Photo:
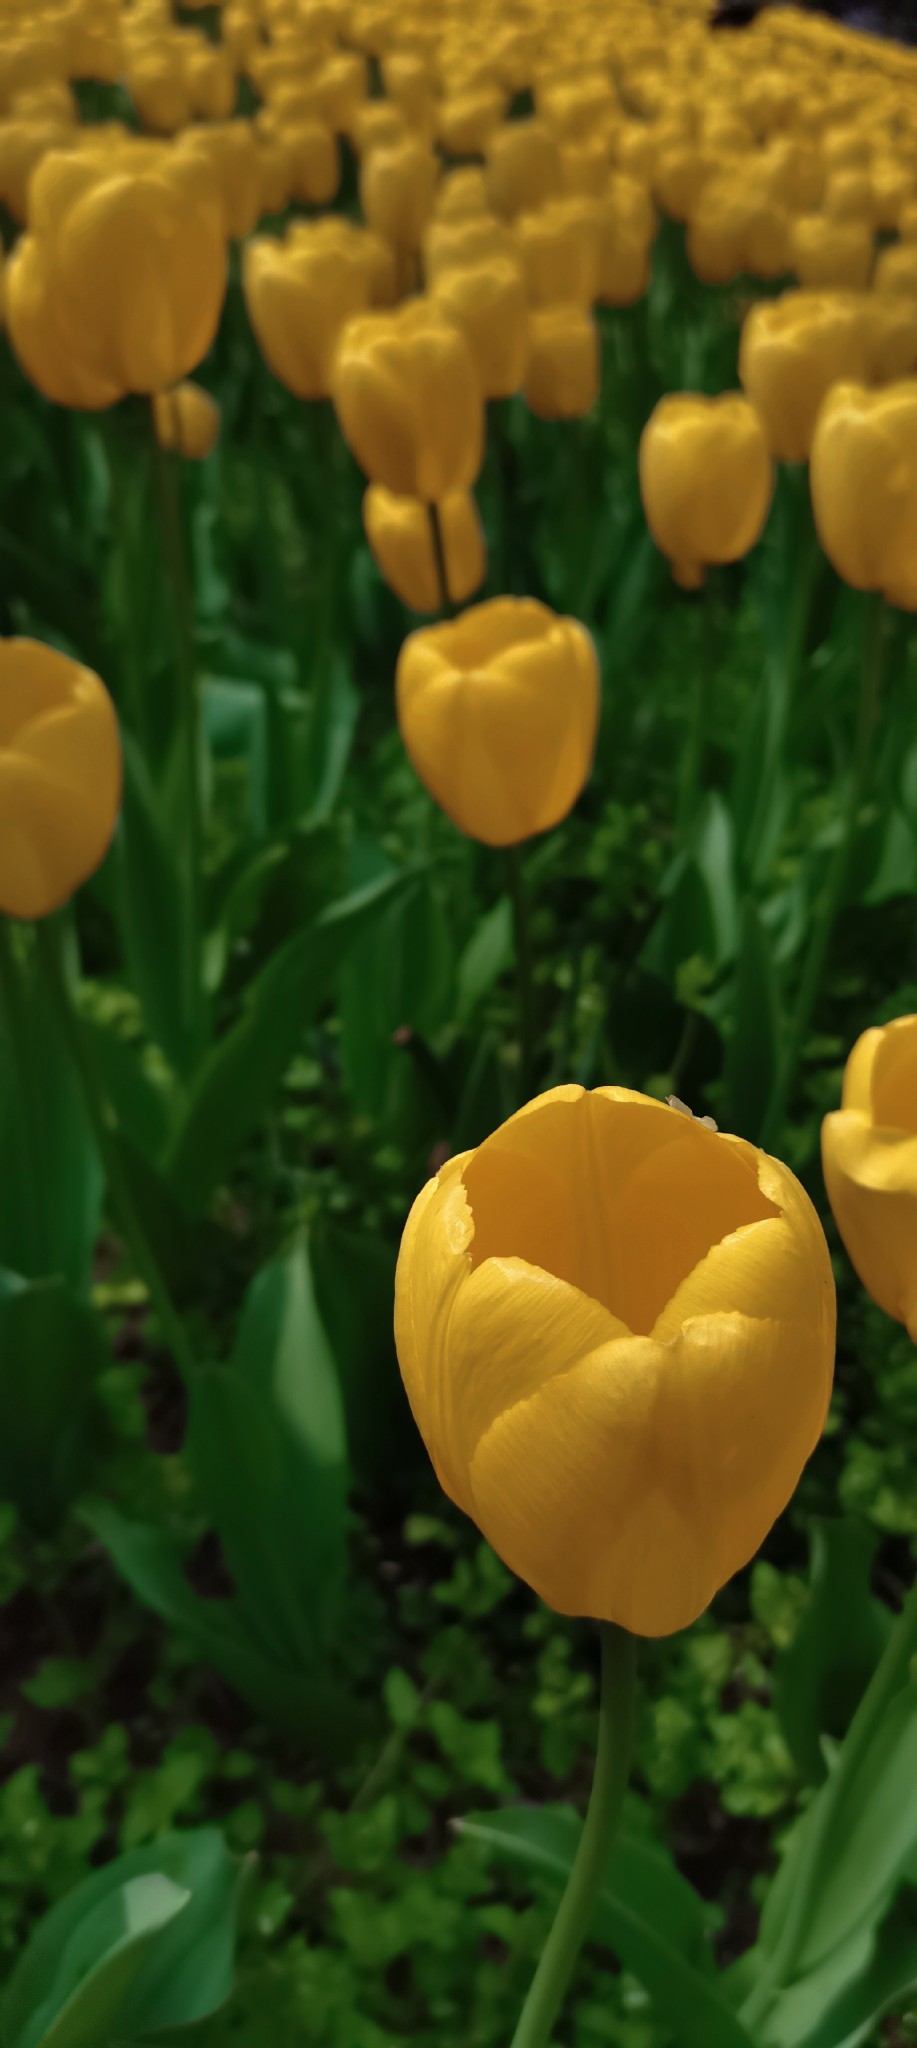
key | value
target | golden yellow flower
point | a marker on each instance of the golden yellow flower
(869, 1158)
(187, 421)
(400, 536)
(616, 1331)
(564, 366)
(60, 776)
(863, 477)
(791, 351)
(706, 480)
(408, 400)
(499, 712)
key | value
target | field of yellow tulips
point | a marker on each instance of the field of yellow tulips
(458, 1025)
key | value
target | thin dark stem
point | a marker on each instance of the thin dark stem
(525, 979)
(835, 881)
(170, 521)
(105, 1131)
(576, 1909)
(447, 607)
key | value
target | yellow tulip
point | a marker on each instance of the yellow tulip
(156, 83)
(863, 476)
(210, 82)
(869, 1159)
(559, 255)
(187, 421)
(791, 351)
(400, 536)
(300, 294)
(616, 1332)
(524, 168)
(849, 194)
(498, 711)
(734, 229)
(408, 401)
(397, 189)
(488, 302)
(118, 286)
(462, 194)
(452, 244)
(706, 480)
(889, 321)
(896, 270)
(467, 120)
(564, 366)
(60, 777)
(230, 151)
(824, 251)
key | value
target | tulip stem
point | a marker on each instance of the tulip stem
(107, 1136)
(525, 979)
(170, 525)
(439, 549)
(825, 1824)
(22, 1049)
(590, 1868)
(835, 881)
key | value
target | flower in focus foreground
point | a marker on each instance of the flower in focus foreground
(869, 1159)
(408, 400)
(863, 475)
(60, 776)
(616, 1331)
(706, 480)
(499, 712)
(187, 421)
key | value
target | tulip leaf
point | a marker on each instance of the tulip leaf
(486, 956)
(52, 1350)
(312, 1708)
(751, 1052)
(398, 976)
(818, 1681)
(240, 1075)
(840, 2004)
(144, 1943)
(153, 912)
(50, 1201)
(354, 1278)
(647, 1913)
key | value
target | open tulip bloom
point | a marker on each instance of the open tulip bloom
(616, 1330)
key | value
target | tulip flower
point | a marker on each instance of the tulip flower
(889, 321)
(824, 251)
(118, 286)
(863, 476)
(408, 401)
(869, 1159)
(488, 302)
(499, 711)
(616, 1331)
(401, 540)
(300, 294)
(896, 271)
(706, 480)
(524, 168)
(564, 366)
(791, 351)
(397, 189)
(559, 248)
(452, 244)
(187, 421)
(60, 777)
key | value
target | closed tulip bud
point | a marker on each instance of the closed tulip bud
(635, 150)
(849, 195)
(458, 244)
(680, 173)
(524, 168)
(560, 264)
(624, 259)
(276, 167)
(863, 476)
(488, 302)
(379, 125)
(23, 146)
(409, 84)
(869, 1159)
(791, 351)
(890, 328)
(467, 120)
(187, 421)
(499, 711)
(397, 190)
(210, 82)
(408, 401)
(706, 480)
(60, 777)
(733, 230)
(831, 252)
(300, 294)
(315, 161)
(896, 270)
(462, 195)
(230, 150)
(156, 83)
(616, 1332)
(344, 88)
(585, 166)
(564, 366)
(892, 190)
(401, 540)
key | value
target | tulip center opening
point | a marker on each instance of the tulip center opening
(620, 1199)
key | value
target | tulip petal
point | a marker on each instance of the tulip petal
(432, 1263)
(871, 1178)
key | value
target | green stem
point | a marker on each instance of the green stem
(447, 607)
(106, 1134)
(576, 1909)
(800, 561)
(814, 965)
(170, 525)
(525, 979)
(32, 1162)
(692, 762)
(828, 1819)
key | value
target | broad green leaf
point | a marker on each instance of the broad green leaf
(51, 1188)
(240, 1076)
(95, 1969)
(153, 912)
(647, 1913)
(52, 1349)
(176, 1978)
(354, 1277)
(752, 1045)
(819, 1680)
(487, 955)
(399, 976)
(841, 2004)
(301, 1704)
(236, 723)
